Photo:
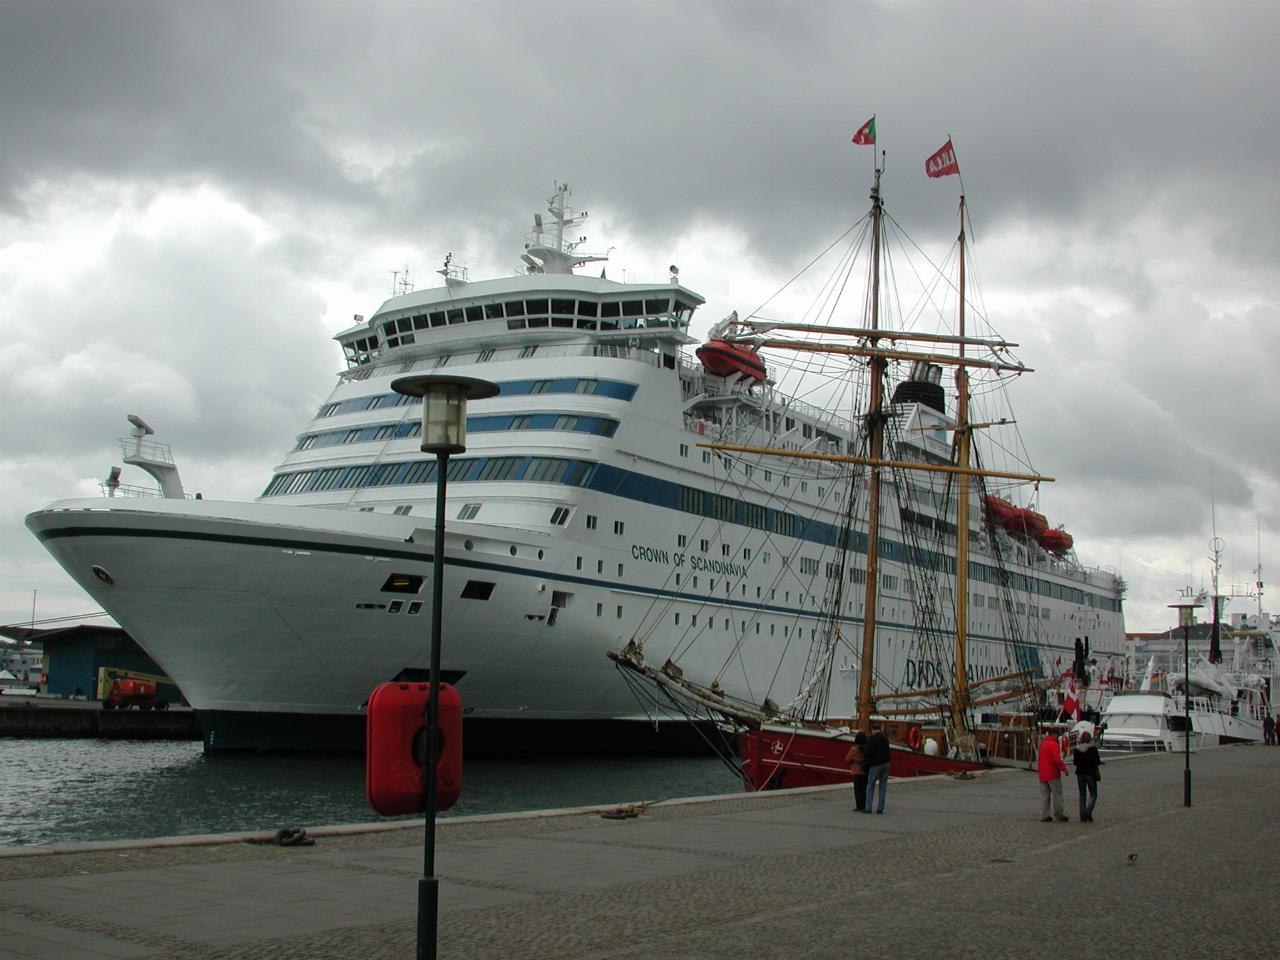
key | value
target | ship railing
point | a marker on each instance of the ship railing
(1198, 704)
(128, 490)
(146, 450)
(718, 388)
(134, 490)
(623, 351)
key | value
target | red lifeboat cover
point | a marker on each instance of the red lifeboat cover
(1056, 541)
(1025, 522)
(723, 359)
(999, 510)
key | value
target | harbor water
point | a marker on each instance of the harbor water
(70, 791)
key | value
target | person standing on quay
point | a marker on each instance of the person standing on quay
(1268, 730)
(1051, 770)
(876, 752)
(1087, 762)
(857, 762)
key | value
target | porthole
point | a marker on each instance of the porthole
(102, 575)
(539, 554)
(513, 549)
(468, 545)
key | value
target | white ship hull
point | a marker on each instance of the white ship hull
(278, 610)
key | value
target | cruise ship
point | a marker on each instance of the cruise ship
(591, 508)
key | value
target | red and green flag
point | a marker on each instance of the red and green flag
(866, 133)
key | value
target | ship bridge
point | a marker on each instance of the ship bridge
(548, 302)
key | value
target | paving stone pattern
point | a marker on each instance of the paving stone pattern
(952, 869)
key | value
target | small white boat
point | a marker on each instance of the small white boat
(1146, 722)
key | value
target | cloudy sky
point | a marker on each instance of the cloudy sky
(194, 197)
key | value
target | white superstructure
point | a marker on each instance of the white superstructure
(583, 515)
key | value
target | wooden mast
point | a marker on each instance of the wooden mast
(960, 702)
(875, 424)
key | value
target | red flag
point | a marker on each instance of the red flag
(943, 163)
(1070, 705)
(866, 133)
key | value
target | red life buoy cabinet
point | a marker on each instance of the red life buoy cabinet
(395, 742)
(915, 739)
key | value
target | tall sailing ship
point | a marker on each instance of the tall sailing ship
(589, 513)
(927, 549)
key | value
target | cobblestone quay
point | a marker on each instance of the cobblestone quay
(953, 869)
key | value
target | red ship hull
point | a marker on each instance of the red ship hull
(785, 758)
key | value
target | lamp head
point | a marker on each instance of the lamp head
(444, 407)
(1186, 607)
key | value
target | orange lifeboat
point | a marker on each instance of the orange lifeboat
(723, 359)
(1056, 541)
(1025, 522)
(999, 510)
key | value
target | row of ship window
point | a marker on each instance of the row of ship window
(534, 312)
(634, 486)
(614, 389)
(532, 469)
(993, 603)
(598, 426)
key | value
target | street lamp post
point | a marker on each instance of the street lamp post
(444, 432)
(1184, 617)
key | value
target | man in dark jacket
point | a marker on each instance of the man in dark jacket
(877, 754)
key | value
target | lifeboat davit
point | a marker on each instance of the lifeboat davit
(723, 359)
(1025, 522)
(999, 510)
(1056, 541)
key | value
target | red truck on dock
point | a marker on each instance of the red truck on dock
(126, 692)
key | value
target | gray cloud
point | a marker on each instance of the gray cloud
(1117, 159)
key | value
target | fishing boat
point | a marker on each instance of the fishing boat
(945, 583)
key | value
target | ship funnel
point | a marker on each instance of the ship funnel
(924, 386)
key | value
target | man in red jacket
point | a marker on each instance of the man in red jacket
(1051, 770)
